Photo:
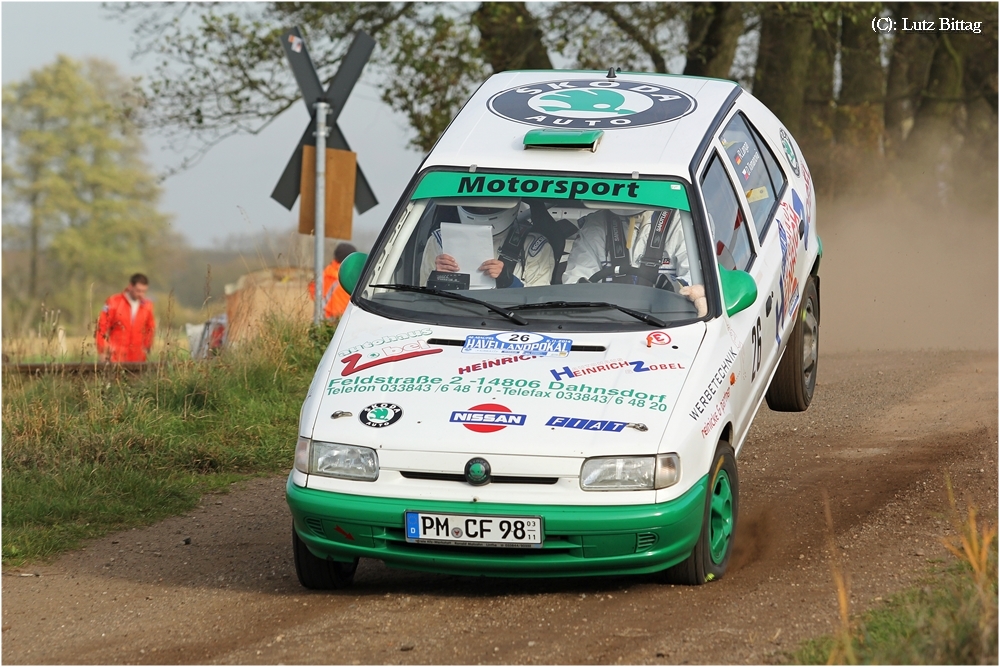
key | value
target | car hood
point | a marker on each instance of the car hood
(402, 386)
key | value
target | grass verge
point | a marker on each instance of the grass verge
(951, 618)
(83, 456)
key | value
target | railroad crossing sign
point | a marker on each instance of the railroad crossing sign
(287, 189)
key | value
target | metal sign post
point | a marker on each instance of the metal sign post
(319, 233)
(323, 121)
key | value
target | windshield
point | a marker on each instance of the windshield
(561, 252)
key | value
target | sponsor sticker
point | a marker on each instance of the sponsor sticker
(367, 346)
(517, 343)
(380, 415)
(487, 418)
(713, 419)
(383, 383)
(353, 362)
(490, 363)
(485, 388)
(440, 184)
(586, 424)
(800, 210)
(715, 382)
(658, 338)
(790, 154)
(629, 366)
(591, 103)
(788, 283)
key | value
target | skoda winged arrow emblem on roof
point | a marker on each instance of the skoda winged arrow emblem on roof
(596, 103)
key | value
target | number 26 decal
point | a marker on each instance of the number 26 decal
(755, 344)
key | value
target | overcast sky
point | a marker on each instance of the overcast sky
(241, 172)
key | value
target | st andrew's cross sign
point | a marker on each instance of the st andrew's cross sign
(287, 189)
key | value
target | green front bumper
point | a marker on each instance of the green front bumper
(578, 540)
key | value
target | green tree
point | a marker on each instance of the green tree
(79, 202)
(849, 95)
(220, 69)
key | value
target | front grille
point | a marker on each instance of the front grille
(495, 479)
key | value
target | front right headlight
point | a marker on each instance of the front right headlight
(332, 459)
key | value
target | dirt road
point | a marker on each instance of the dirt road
(879, 436)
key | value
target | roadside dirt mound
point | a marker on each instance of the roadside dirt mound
(880, 434)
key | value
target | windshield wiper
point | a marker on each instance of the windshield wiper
(513, 317)
(648, 319)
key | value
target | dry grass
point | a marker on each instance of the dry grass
(951, 618)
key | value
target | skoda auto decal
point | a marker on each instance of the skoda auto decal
(591, 103)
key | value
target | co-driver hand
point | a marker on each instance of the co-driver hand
(445, 263)
(492, 267)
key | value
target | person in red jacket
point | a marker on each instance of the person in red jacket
(126, 325)
(334, 296)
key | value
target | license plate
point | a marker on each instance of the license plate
(478, 531)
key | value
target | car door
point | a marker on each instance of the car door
(735, 250)
(762, 187)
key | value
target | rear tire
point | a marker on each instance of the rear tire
(710, 557)
(794, 382)
(319, 574)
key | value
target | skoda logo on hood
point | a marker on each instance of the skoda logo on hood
(591, 104)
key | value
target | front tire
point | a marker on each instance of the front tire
(794, 382)
(317, 573)
(710, 557)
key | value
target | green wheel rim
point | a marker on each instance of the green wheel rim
(720, 517)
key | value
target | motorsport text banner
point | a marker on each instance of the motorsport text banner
(659, 194)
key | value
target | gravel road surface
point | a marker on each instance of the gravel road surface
(218, 585)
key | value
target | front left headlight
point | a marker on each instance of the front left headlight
(332, 459)
(630, 473)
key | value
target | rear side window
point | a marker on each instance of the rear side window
(760, 177)
(732, 242)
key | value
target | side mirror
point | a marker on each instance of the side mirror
(738, 290)
(350, 270)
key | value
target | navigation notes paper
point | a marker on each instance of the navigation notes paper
(470, 245)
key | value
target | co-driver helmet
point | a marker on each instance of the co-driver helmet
(501, 214)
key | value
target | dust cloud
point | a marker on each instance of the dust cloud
(900, 274)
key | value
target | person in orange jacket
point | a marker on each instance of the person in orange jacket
(125, 327)
(334, 296)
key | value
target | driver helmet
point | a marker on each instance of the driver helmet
(500, 215)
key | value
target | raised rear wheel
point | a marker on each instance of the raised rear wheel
(794, 382)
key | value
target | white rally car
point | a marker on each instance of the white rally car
(556, 348)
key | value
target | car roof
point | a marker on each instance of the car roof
(480, 136)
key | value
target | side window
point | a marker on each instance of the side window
(732, 241)
(761, 178)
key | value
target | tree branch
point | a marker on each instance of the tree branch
(609, 10)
